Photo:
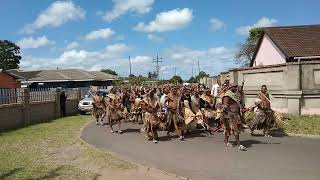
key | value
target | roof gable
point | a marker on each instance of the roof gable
(293, 41)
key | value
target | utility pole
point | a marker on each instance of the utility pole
(156, 60)
(198, 67)
(129, 67)
(175, 71)
(192, 70)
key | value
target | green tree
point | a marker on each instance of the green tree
(197, 78)
(109, 71)
(176, 79)
(119, 81)
(247, 49)
(9, 55)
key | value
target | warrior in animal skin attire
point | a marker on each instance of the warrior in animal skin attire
(114, 111)
(98, 108)
(231, 116)
(151, 107)
(263, 112)
(207, 106)
(173, 119)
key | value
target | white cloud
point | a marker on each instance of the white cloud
(110, 56)
(55, 15)
(167, 21)
(72, 45)
(154, 38)
(31, 43)
(140, 59)
(216, 24)
(263, 22)
(122, 7)
(212, 60)
(100, 34)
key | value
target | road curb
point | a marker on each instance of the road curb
(119, 156)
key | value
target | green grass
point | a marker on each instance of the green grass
(53, 150)
(302, 125)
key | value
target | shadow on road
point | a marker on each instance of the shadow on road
(10, 173)
(131, 130)
(248, 143)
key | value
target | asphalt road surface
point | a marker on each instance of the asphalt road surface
(204, 157)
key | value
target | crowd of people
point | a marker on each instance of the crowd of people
(180, 109)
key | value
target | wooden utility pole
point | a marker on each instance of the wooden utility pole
(192, 70)
(129, 67)
(156, 60)
(198, 67)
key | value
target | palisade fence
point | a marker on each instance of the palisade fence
(17, 95)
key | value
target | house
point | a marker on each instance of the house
(8, 80)
(65, 78)
(279, 45)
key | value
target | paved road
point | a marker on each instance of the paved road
(203, 157)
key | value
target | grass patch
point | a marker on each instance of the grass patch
(302, 125)
(53, 150)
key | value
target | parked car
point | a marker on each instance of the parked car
(85, 105)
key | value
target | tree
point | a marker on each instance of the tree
(152, 75)
(109, 71)
(247, 49)
(119, 81)
(197, 78)
(9, 55)
(176, 79)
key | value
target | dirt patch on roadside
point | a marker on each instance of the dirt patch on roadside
(136, 174)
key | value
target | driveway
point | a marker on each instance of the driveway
(203, 157)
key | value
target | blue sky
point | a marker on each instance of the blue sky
(102, 34)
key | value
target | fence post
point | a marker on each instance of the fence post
(57, 103)
(26, 106)
(79, 95)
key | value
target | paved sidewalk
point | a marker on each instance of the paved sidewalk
(203, 157)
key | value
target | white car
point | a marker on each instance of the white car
(85, 105)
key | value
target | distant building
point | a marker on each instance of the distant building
(65, 78)
(8, 80)
(279, 45)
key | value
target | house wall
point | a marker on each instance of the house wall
(268, 53)
(293, 87)
(7, 81)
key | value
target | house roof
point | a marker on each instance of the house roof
(61, 75)
(12, 75)
(294, 41)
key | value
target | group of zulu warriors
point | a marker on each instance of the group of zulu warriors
(181, 109)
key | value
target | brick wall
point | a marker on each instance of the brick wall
(7, 81)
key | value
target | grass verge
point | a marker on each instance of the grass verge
(53, 150)
(302, 125)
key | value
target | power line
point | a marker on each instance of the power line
(156, 60)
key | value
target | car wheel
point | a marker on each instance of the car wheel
(82, 112)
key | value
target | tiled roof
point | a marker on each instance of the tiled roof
(64, 75)
(296, 41)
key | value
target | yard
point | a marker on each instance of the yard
(53, 150)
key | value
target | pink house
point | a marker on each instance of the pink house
(279, 45)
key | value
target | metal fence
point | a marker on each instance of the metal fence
(42, 94)
(10, 96)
